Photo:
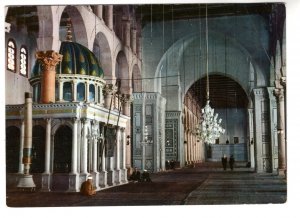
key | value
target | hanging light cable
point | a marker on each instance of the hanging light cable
(209, 128)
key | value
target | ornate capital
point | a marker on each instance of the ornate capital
(109, 89)
(48, 59)
(279, 94)
(126, 98)
(283, 81)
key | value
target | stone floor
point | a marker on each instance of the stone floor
(202, 185)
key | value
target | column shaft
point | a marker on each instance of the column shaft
(99, 11)
(21, 166)
(74, 146)
(109, 16)
(84, 153)
(48, 146)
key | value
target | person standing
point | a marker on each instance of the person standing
(224, 162)
(231, 162)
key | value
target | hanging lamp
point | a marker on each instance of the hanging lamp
(209, 128)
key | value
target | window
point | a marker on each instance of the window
(67, 91)
(91, 93)
(80, 92)
(11, 55)
(23, 61)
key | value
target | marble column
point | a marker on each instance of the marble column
(95, 172)
(60, 93)
(127, 32)
(123, 153)
(74, 97)
(108, 92)
(26, 180)
(21, 166)
(49, 60)
(46, 175)
(138, 48)
(103, 172)
(99, 11)
(133, 40)
(109, 16)
(84, 153)
(126, 99)
(251, 138)
(117, 157)
(279, 93)
(74, 176)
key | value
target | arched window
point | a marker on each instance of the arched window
(67, 91)
(11, 55)
(23, 61)
(80, 92)
(91, 93)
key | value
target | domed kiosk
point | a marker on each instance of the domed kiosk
(81, 132)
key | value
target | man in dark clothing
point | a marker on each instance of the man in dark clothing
(136, 175)
(146, 176)
(224, 162)
(231, 162)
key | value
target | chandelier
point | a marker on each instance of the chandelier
(209, 128)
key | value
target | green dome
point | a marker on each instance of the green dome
(77, 59)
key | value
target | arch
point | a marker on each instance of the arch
(175, 68)
(136, 79)
(12, 149)
(78, 25)
(122, 73)
(102, 52)
(38, 149)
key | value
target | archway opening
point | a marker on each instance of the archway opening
(38, 150)
(62, 150)
(230, 101)
(62, 158)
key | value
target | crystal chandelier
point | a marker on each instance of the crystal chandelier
(209, 128)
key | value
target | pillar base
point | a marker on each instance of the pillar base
(96, 180)
(282, 173)
(103, 179)
(26, 183)
(124, 176)
(73, 182)
(111, 177)
(46, 182)
(117, 177)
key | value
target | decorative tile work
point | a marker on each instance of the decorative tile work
(171, 130)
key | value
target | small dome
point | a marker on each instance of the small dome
(77, 59)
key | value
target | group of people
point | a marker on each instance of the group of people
(224, 162)
(138, 177)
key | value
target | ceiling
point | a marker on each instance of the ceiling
(223, 92)
(27, 14)
(158, 12)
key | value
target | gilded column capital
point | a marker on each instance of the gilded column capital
(126, 98)
(109, 89)
(279, 94)
(49, 59)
